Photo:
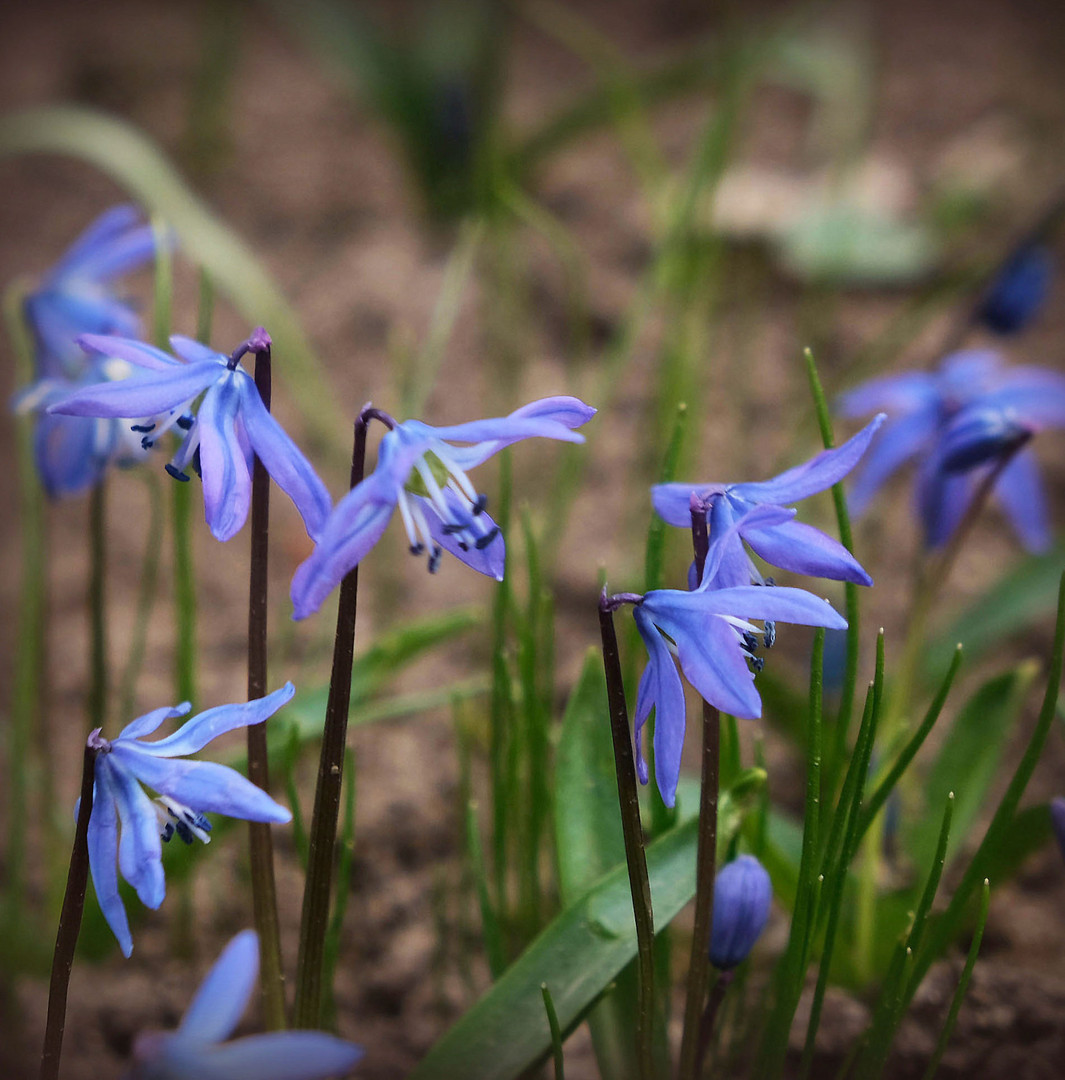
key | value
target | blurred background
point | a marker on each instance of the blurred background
(469, 205)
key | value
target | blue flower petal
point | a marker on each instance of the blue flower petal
(193, 352)
(660, 689)
(126, 253)
(901, 439)
(109, 226)
(1019, 491)
(353, 528)
(283, 460)
(817, 474)
(203, 786)
(489, 560)
(806, 550)
(149, 722)
(672, 502)
(139, 353)
(223, 996)
(139, 396)
(140, 848)
(196, 733)
(280, 1055)
(103, 861)
(226, 479)
(891, 394)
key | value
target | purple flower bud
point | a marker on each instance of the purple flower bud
(980, 434)
(1018, 292)
(742, 895)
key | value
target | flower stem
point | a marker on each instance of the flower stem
(632, 830)
(706, 855)
(97, 698)
(706, 1025)
(264, 887)
(322, 841)
(69, 925)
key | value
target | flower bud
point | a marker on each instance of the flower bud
(742, 895)
(1018, 292)
(980, 434)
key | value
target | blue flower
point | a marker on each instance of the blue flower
(196, 1051)
(788, 544)
(231, 425)
(425, 476)
(127, 826)
(1018, 291)
(957, 423)
(77, 296)
(710, 632)
(743, 894)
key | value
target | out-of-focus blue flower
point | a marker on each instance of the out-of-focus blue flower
(127, 826)
(196, 1050)
(742, 897)
(421, 472)
(957, 423)
(77, 296)
(788, 544)
(231, 425)
(710, 631)
(1057, 821)
(1019, 291)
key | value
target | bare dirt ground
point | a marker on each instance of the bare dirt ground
(312, 181)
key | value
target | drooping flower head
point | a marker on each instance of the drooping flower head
(127, 826)
(787, 543)
(709, 629)
(195, 1051)
(78, 296)
(230, 427)
(957, 423)
(743, 895)
(421, 471)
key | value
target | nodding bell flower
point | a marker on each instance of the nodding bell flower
(77, 296)
(957, 424)
(743, 894)
(787, 544)
(220, 439)
(195, 1051)
(422, 473)
(709, 631)
(128, 827)
(1019, 291)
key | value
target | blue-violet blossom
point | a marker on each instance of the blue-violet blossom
(743, 894)
(787, 544)
(77, 296)
(196, 1051)
(186, 791)
(710, 631)
(231, 426)
(421, 472)
(958, 423)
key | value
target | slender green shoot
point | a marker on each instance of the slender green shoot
(556, 1033)
(963, 983)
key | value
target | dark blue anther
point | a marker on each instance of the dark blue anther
(176, 473)
(142, 427)
(757, 662)
(434, 559)
(480, 504)
(770, 635)
(450, 530)
(417, 549)
(483, 541)
(185, 422)
(196, 463)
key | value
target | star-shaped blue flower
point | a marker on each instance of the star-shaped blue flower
(127, 826)
(787, 544)
(709, 630)
(231, 425)
(77, 296)
(196, 1051)
(421, 472)
(955, 422)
